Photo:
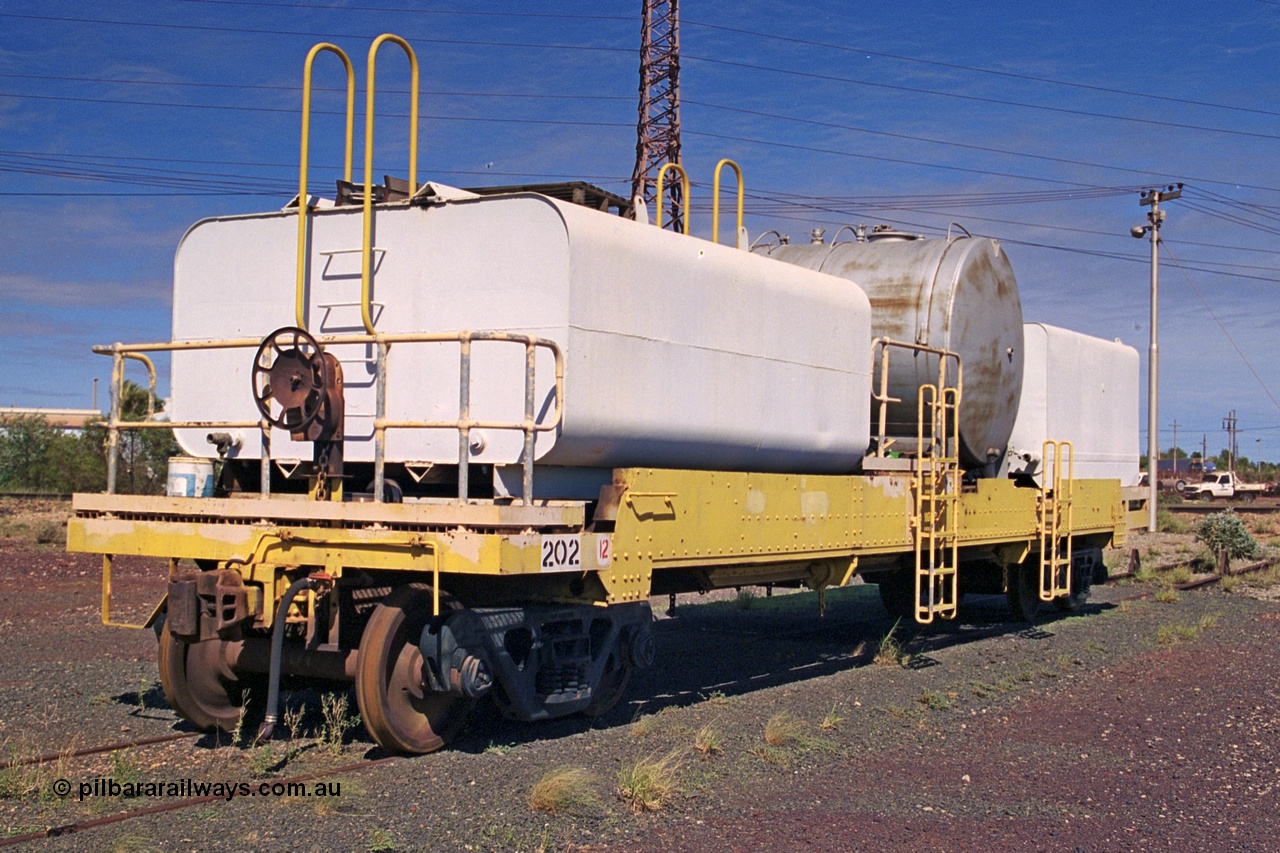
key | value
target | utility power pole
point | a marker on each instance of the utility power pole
(1155, 216)
(1229, 424)
(1175, 426)
(658, 131)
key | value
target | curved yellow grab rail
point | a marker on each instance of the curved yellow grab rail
(715, 200)
(304, 210)
(684, 186)
(366, 251)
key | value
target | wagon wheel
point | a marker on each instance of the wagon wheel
(289, 369)
(399, 711)
(1024, 591)
(192, 675)
(897, 589)
(611, 687)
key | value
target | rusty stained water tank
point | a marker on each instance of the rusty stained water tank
(957, 294)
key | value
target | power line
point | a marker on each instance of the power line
(556, 96)
(706, 59)
(756, 34)
(290, 111)
(1230, 339)
(283, 88)
(978, 98)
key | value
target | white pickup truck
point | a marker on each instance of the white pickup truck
(1220, 485)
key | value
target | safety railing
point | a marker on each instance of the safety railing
(880, 349)
(1055, 511)
(530, 425)
(304, 209)
(739, 234)
(684, 192)
(366, 250)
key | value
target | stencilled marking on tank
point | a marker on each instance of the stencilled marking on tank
(813, 504)
(755, 501)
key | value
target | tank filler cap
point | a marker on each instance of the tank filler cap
(888, 233)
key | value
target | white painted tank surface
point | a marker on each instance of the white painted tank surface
(679, 352)
(1080, 389)
(956, 294)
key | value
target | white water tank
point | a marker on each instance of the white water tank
(679, 352)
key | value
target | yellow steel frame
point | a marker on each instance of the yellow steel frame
(730, 528)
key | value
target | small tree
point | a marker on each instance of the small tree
(25, 441)
(1227, 538)
(144, 454)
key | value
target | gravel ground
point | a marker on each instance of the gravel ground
(1131, 725)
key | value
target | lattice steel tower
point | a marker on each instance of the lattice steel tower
(658, 132)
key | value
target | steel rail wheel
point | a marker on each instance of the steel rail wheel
(613, 684)
(193, 676)
(397, 709)
(1024, 591)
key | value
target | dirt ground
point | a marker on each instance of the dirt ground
(1134, 724)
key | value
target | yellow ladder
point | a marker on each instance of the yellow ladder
(1054, 518)
(937, 493)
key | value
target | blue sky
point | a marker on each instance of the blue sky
(121, 124)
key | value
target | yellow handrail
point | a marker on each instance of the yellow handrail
(366, 253)
(715, 200)
(300, 297)
(684, 186)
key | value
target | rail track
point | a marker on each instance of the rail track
(35, 496)
(50, 757)
(176, 805)
(1262, 506)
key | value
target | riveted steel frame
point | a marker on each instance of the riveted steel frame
(723, 528)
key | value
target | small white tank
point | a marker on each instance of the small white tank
(679, 352)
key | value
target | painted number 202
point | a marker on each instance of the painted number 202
(561, 553)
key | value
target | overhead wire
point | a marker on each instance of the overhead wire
(688, 22)
(1223, 328)
(685, 57)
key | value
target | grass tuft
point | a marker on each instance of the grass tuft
(832, 720)
(746, 598)
(890, 652)
(648, 784)
(783, 728)
(1167, 595)
(934, 700)
(563, 790)
(708, 741)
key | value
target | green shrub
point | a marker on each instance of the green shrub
(1227, 538)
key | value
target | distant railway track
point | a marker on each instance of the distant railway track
(34, 496)
(1262, 506)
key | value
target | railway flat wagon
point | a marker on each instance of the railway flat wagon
(460, 438)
